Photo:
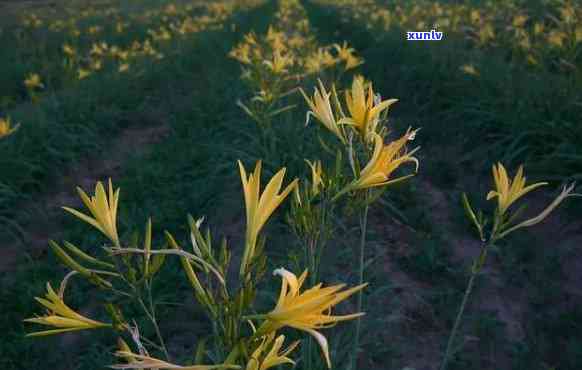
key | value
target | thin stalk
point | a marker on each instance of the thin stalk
(151, 314)
(315, 248)
(474, 272)
(363, 228)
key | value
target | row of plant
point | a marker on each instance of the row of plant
(546, 35)
(53, 53)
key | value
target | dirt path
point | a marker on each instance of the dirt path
(148, 128)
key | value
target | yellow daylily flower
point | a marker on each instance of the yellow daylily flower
(308, 310)
(260, 207)
(241, 53)
(508, 191)
(364, 107)
(68, 50)
(147, 362)
(469, 69)
(346, 54)
(316, 176)
(272, 358)
(320, 106)
(102, 208)
(556, 38)
(33, 81)
(96, 64)
(352, 61)
(6, 127)
(519, 20)
(83, 73)
(61, 316)
(280, 62)
(96, 50)
(385, 160)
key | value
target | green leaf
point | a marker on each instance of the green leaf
(200, 351)
(84, 256)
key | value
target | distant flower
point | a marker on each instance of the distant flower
(83, 73)
(316, 176)
(347, 55)
(68, 50)
(267, 354)
(33, 81)
(6, 127)
(469, 69)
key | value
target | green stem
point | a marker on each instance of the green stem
(151, 314)
(363, 227)
(474, 272)
(315, 246)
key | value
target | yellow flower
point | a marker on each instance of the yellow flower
(96, 50)
(279, 63)
(469, 69)
(272, 358)
(260, 207)
(519, 20)
(316, 176)
(241, 53)
(321, 109)
(352, 62)
(124, 67)
(346, 54)
(93, 30)
(33, 81)
(532, 60)
(103, 210)
(96, 64)
(147, 362)
(318, 60)
(309, 310)
(385, 160)
(61, 316)
(364, 107)
(68, 49)
(568, 14)
(486, 33)
(508, 191)
(556, 38)
(83, 73)
(6, 127)
(475, 16)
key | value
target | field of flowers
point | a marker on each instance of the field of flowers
(278, 184)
